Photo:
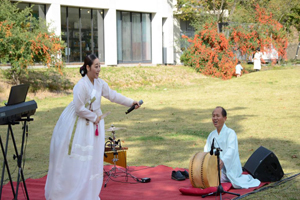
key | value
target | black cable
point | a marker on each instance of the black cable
(23, 160)
(218, 144)
(11, 173)
(282, 181)
(110, 178)
(138, 179)
(24, 152)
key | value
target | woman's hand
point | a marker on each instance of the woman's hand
(221, 164)
(137, 105)
(97, 120)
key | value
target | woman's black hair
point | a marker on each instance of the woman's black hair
(89, 59)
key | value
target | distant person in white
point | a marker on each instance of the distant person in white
(257, 59)
(238, 69)
(226, 139)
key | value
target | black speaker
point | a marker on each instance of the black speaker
(264, 165)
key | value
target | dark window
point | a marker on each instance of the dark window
(38, 10)
(82, 30)
(186, 28)
(134, 37)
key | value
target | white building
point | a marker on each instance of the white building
(117, 31)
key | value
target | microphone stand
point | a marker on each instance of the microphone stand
(220, 189)
(113, 172)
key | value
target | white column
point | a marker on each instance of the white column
(53, 17)
(156, 39)
(177, 38)
(110, 34)
(169, 44)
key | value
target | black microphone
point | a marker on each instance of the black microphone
(133, 106)
(212, 147)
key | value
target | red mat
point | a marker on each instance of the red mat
(160, 187)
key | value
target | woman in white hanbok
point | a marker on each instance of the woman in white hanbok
(257, 59)
(78, 140)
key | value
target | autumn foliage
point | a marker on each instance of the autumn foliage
(211, 52)
(265, 33)
(25, 40)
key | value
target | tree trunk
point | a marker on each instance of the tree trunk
(232, 9)
(219, 12)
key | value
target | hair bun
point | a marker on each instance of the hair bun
(82, 70)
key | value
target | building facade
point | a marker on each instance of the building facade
(117, 31)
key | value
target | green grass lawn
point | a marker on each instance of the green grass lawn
(175, 119)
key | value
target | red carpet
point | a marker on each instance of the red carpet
(160, 187)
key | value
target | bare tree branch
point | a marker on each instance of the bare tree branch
(233, 8)
(219, 12)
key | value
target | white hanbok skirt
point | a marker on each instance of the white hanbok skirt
(257, 64)
(80, 174)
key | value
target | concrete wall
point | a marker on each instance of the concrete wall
(177, 37)
(291, 51)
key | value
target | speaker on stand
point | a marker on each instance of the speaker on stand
(264, 165)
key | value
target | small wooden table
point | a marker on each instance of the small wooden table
(121, 155)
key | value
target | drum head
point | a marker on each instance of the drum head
(203, 170)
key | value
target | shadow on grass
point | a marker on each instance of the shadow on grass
(169, 136)
(166, 136)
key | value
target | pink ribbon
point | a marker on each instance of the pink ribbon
(96, 132)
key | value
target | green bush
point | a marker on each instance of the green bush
(43, 80)
(24, 40)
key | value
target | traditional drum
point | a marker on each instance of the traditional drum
(203, 170)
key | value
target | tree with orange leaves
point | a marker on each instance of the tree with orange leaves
(24, 42)
(265, 33)
(211, 53)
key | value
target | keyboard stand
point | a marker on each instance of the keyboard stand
(17, 155)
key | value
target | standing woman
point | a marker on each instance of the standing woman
(257, 59)
(77, 144)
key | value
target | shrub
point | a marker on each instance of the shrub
(211, 53)
(25, 41)
(46, 80)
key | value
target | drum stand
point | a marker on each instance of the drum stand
(113, 171)
(220, 189)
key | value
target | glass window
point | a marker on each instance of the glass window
(126, 36)
(146, 29)
(74, 34)
(64, 33)
(22, 6)
(186, 28)
(86, 32)
(119, 36)
(83, 31)
(133, 37)
(137, 39)
(98, 34)
(39, 11)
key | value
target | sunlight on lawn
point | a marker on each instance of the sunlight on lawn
(175, 119)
